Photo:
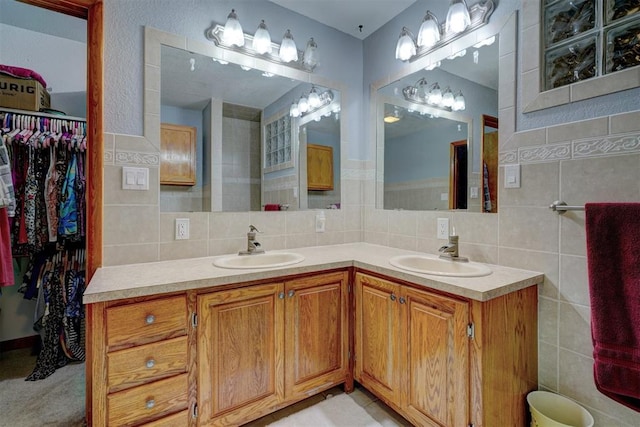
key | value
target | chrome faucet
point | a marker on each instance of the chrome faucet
(253, 246)
(450, 250)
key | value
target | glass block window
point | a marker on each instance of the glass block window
(278, 144)
(588, 38)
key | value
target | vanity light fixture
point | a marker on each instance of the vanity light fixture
(393, 117)
(313, 102)
(433, 35)
(423, 93)
(231, 37)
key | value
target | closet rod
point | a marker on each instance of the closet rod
(561, 207)
(39, 114)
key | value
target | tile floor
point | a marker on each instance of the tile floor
(334, 408)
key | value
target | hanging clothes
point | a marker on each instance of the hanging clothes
(6, 260)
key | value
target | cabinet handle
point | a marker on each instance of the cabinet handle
(150, 404)
(150, 319)
(150, 363)
(402, 300)
(392, 297)
(281, 295)
(291, 293)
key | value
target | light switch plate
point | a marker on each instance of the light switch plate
(512, 176)
(135, 178)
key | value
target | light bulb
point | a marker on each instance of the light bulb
(447, 98)
(288, 50)
(459, 103)
(294, 111)
(435, 95)
(458, 18)
(406, 47)
(314, 98)
(303, 104)
(262, 39)
(429, 33)
(310, 58)
(233, 34)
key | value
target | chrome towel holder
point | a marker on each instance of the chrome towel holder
(561, 207)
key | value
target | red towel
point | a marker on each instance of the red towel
(22, 73)
(613, 255)
(272, 207)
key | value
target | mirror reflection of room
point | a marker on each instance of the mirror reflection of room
(433, 156)
(231, 139)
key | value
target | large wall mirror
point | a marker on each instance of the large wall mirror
(437, 154)
(226, 124)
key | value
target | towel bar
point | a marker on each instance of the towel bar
(561, 207)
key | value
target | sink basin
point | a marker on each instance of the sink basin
(438, 266)
(263, 260)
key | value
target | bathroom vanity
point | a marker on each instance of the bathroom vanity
(187, 343)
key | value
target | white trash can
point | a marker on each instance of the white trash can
(552, 410)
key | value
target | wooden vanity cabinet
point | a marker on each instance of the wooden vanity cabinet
(446, 361)
(263, 347)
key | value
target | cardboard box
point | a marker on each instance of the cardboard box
(23, 94)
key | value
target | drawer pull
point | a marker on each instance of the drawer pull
(150, 404)
(402, 300)
(150, 319)
(291, 293)
(150, 363)
(392, 297)
(281, 295)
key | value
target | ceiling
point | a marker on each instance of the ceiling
(348, 15)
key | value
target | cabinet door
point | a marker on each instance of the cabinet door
(319, 167)
(436, 359)
(316, 336)
(240, 353)
(177, 154)
(377, 337)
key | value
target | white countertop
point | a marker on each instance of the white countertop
(135, 280)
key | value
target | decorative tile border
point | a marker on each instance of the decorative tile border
(544, 153)
(108, 157)
(601, 146)
(358, 174)
(136, 158)
(607, 146)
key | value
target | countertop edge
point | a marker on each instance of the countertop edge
(157, 278)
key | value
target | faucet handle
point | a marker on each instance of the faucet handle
(253, 229)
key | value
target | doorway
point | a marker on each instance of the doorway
(458, 175)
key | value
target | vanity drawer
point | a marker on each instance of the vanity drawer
(179, 419)
(146, 322)
(148, 402)
(139, 365)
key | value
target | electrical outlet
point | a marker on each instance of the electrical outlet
(443, 228)
(182, 228)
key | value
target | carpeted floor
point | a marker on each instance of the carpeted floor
(56, 401)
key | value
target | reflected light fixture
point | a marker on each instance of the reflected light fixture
(423, 93)
(313, 102)
(432, 34)
(262, 39)
(231, 37)
(392, 118)
(458, 17)
(288, 50)
(233, 34)
(429, 33)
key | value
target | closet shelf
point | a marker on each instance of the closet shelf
(39, 114)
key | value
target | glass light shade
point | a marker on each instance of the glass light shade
(288, 50)
(429, 33)
(447, 98)
(459, 103)
(314, 99)
(262, 39)
(435, 95)
(458, 18)
(303, 104)
(233, 34)
(422, 89)
(406, 47)
(310, 58)
(294, 111)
